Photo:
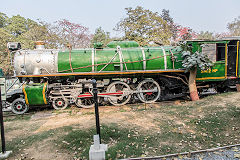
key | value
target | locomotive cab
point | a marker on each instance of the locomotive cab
(224, 53)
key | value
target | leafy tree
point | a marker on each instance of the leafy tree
(192, 59)
(4, 54)
(211, 36)
(17, 25)
(172, 26)
(101, 36)
(3, 20)
(234, 27)
(144, 26)
(40, 32)
(166, 16)
(206, 35)
(222, 35)
(4, 38)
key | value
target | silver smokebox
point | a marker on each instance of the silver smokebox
(37, 61)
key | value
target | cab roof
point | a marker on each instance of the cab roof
(221, 40)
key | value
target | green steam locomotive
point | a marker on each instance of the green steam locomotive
(125, 72)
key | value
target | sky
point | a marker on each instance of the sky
(200, 15)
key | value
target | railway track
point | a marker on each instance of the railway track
(230, 152)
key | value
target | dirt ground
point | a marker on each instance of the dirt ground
(84, 118)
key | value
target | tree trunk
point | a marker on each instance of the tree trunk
(192, 85)
(238, 87)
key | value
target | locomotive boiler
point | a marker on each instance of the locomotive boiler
(124, 72)
(119, 57)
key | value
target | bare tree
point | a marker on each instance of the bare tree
(75, 34)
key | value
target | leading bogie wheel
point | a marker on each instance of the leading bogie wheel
(148, 91)
(124, 93)
(19, 106)
(59, 103)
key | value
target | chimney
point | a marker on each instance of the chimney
(39, 45)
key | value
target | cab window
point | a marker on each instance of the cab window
(220, 52)
(210, 51)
